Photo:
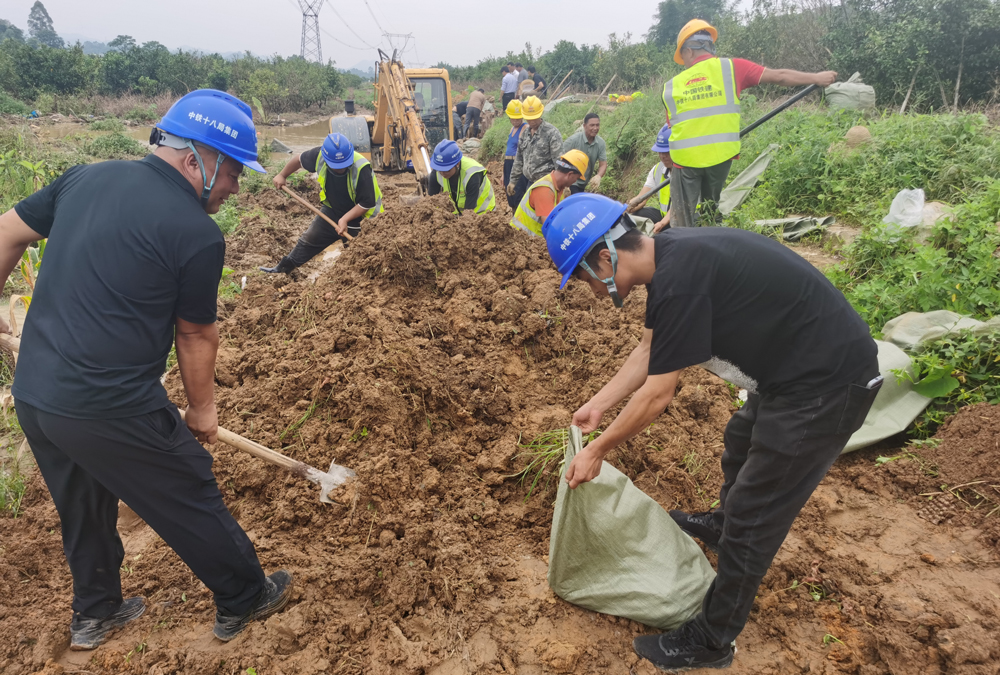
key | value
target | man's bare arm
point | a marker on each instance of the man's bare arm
(15, 236)
(796, 78)
(197, 346)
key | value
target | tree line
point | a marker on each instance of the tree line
(943, 53)
(41, 64)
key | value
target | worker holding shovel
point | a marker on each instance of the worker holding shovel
(133, 260)
(756, 314)
(348, 195)
(703, 110)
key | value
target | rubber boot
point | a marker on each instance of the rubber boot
(283, 267)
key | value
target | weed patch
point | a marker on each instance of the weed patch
(108, 124)
(114, 146)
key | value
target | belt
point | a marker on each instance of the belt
(509, 156)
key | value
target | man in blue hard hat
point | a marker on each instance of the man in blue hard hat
(660, 213)
(462, 178)
(348, 194)
(759, 316)
(132, 267)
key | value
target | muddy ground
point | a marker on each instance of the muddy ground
(424, 357)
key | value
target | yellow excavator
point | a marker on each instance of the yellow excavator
(412, 115)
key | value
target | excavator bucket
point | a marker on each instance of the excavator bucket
(356, 129)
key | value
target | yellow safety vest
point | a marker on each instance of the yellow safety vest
(352, 181)
(704, 114)
(466, 170)
(525, 217)
(660, 175)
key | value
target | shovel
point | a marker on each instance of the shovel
(634, 203)
(315, 210)
(336, 476)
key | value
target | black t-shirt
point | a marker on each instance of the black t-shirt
(471, 190)
(753, 312)
(130, 249)
(338, 199)
(538, 80)
(462, 107)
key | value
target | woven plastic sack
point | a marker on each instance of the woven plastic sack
(614, 550)
(851, 95)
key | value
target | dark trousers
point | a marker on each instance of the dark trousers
(520, 187)
(320, 235)
(154, 464)
(777, 450)
(576, 188)
(472, 117)
(688, 186)
(456, 121)
(651, 213)
(505, 99)
(508, 164)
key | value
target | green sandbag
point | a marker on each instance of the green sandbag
(614, 550)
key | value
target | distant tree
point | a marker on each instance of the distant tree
(9, 30)
(671, 15)
(40, 27)
(123, 43)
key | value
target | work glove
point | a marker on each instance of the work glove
(595, 181)
(510, 189)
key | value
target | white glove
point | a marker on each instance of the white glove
(595, 180)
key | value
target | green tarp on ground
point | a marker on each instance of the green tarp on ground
(615, 550)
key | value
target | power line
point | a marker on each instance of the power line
(335, 39)
(348, 26)
(373, 17)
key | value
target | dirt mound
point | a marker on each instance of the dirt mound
(425, 359)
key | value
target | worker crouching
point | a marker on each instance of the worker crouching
(348, 193)
(462, 178)
(546, 192)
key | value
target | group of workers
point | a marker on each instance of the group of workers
(133, 264)
(516, 81)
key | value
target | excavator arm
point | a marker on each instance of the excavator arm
(398, 128)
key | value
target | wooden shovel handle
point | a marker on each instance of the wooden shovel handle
(315, 210)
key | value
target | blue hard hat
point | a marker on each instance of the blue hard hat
(662, 140)
(446, 155)
(217, 120)
(338, 151)
(575, 225)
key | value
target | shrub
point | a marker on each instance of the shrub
(109, 124)
(143, 113)
(11, 106)
(114, 146)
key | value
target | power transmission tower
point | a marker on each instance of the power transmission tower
(312, 50)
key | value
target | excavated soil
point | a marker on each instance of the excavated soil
(425, 358)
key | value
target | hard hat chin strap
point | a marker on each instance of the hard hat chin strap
(206, 188)
(610, 281)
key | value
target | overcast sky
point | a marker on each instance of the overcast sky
(268, 27)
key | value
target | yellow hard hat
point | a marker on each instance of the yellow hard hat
(532, 108)
(689, 29)
(514, 109)
(576, 160)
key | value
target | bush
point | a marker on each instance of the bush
(143, 113)
(109, 124)
(228, 217)
(11, 106)
(114, 146)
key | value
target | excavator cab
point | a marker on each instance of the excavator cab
(432, 95)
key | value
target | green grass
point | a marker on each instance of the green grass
(147, 113)
(545, 455)
(228, 217)
(108, 124)
(13, 481)
(115, 145)
(11, 106)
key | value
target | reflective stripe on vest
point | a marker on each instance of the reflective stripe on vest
(352, 180)
(467, 169)
(704, 114)
(660, 175)
(525, 217)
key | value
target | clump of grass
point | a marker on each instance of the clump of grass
(114, 146)
(545, 454)
(143, 113)
(108, 124)
(13, 481)
(228, 217)
(11, 106)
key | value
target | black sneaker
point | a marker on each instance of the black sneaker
(699, 525)
(86, 633)
(679, 650)
(276, 594)
(284, 266)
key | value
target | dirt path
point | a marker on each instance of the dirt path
(422, 358)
